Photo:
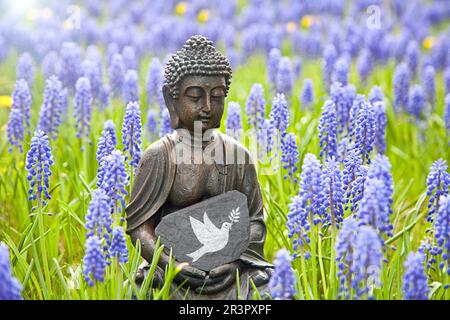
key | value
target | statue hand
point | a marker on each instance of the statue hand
(223, 275)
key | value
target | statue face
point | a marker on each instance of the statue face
(202, 99)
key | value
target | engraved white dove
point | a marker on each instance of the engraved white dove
(212, 238)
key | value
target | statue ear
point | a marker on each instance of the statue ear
(170, 104)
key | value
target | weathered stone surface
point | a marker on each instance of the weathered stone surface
(205, 234)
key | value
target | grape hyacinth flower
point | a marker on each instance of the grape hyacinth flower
(365, 130)
(233, 122)
(71, 62)
(38, 162)
(416, 101)
(25, 69)
(344, 248)
(255, 107)
(340, 70)
(282, 281)
(99, 219)
(279, 119)
(415, 281)
(94, 262)
(93, 71)
(51, 65)
(289, 155)
(381, 169)
(104, 97)
(297, 67)
(364, 65)
(328, 127)
(442, 232)
(376, 95)
(117, 75)
(166, 126)
(52, 107)
(115, 179)
(131, 133)
(307, 96)
(343, 98)
(272, 66)
(285, 80)
(352, 162)
(151, 126)
(129, 58)
(374, 209)
(429, 84)
(412, 57)
(367, 262)
(10, 287)
(21, 100)
(118, 246)
(131, 86)
(82, 107)
(311, 188)
(401, 87)
(447, 80)
(262, 138)
(106, 144)
(328, 62)
(438, 183)
(334, 195)
(155, 81)
(298, 226)
(381, 123)
(15, 130)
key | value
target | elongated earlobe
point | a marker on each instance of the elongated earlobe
(170, 104)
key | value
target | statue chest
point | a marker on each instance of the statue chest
(194, 183)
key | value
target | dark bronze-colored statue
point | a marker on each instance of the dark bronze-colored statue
(174, 175)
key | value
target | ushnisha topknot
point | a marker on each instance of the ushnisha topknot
(197, 57)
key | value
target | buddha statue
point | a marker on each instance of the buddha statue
(197, 80)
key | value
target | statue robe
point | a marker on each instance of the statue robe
(153, 183)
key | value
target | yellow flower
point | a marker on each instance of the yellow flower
(32, 14)
(21, 163)
(428, 42)
(291, 26)
(181, 8)
(5, 102)
(203, 15)
(307, 21)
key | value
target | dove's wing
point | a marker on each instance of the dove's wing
(209, 225)
(200, 231)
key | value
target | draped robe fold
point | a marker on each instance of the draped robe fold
(153, 182)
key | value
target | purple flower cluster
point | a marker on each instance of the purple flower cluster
(416, 101)
(255, 107)
(272, 66)
(333, 194)
(71, 65)
(82, 110)
(25, 69)
(289, 155)
(307, 96)
(15, 129)
(298, 225)
(10, 288)
(38, 162)
(401, 87)
(442, 232)
(233, 123)
(21, 100)
(279, 118)
(94, 261)
(328, 130)
(438, 183)
(151, 125)
(365, 130)
(52, 107)
(119, 245)
(117, 75)
(282, 281)
(381, 123)
(429, 84)
(131, 86)
(415, 281)
(131, 133)
(285, 78)
(328, 62)
(166, 126)
(155, 81)
(341, 70)
(115, 179)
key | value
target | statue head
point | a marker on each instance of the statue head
(197, 80)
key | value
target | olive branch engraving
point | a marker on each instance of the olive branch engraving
(234, 215)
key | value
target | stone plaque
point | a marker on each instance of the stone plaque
(209, 233)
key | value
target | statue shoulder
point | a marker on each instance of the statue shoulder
(156, 152)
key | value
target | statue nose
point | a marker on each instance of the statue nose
(207, 105)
